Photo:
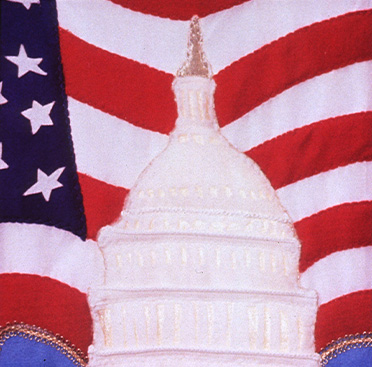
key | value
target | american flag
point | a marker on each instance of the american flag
(86, 103)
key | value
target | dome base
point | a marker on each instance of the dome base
(262, 324)
(199, 358)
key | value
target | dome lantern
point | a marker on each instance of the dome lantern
(194, 87)
(196, 63)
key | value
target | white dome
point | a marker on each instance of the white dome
(202, 184)
(202, 267)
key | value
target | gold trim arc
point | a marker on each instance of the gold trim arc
(32, 332)
(341, 345)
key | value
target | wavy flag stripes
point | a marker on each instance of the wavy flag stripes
(293, 92)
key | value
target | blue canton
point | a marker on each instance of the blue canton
(38, 177)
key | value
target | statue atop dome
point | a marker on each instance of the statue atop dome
(196, 63)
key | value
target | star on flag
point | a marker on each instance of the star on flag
(26, 3)
(3, 100)
(26, 64)
(36, 101)
(38, 115)
(45, 184)
(3, 164)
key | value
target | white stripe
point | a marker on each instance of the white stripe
(157, 42)
(110, 149)
(236, 32)
(229, 34)
(115, 151)
(339, 92)
(340, 273)
(48, 251)
(347, 184)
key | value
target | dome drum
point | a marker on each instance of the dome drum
(204, 262)
(212, 322)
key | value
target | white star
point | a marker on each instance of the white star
(38, 115)
(3, 100)
(27, 3)
(45, 184)
(25, 63)
(3, 165)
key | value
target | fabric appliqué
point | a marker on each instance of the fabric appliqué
(342, 345)
(34, 333)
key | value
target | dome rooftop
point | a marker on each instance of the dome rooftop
(200, 184)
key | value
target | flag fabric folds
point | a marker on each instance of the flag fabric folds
(86, 103)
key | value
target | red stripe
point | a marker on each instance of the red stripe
(178, 9)
(143, 96)
(350, 314)
(299, 56)
(338, 228)
(323, 146)
(103, 203)
(46, 303)
(121, 87)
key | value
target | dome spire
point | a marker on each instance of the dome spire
(196, 63)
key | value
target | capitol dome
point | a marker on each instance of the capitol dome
(199, 171)
(202, 267)
(200, 183)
